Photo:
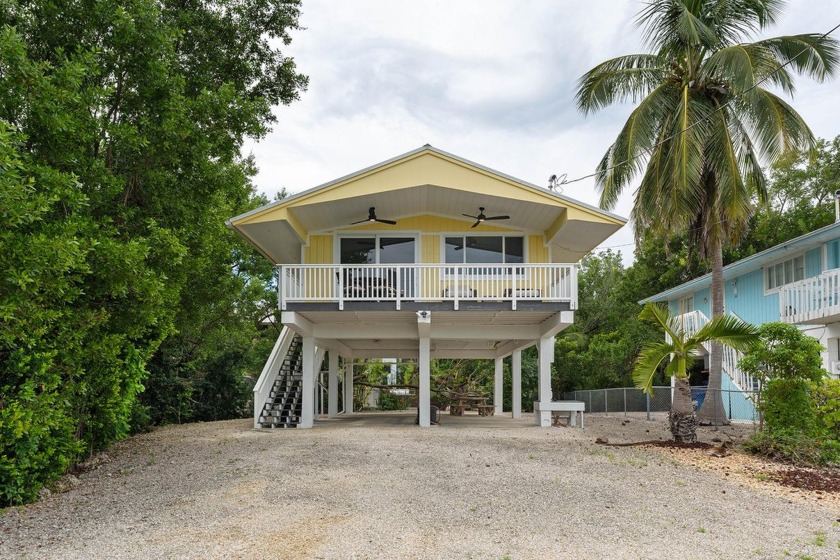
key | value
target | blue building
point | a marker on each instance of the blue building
(796, 282)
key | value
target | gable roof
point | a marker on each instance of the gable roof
(424, 181)
(753, 262)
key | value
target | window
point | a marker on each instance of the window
(785, 272)
(687, 305)
(376, 250)
(484, 249)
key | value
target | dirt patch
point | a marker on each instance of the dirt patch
(719, 451)
(817, 481)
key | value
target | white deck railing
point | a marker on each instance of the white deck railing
(811, 299)
(692, 322)
(339, 283)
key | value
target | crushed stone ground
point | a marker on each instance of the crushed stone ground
(377, 486)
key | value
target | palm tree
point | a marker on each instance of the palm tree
(703, 124)
(681, 348)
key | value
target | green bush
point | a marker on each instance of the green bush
(800, 408)
(787, 445)
(827, 397)
(787, 405)
(388, 401)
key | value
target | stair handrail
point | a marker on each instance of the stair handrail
(732, 357)
(695, 320)
(270, 371)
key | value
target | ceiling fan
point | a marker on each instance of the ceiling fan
(481, 217)
(372, 218)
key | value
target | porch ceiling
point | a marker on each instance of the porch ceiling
(453, 334)
(570, 232)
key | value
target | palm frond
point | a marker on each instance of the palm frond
(736, 19)
(626, 157)
(776, 127)
(688, 137)
(732, 200)
(727, 330)
(738, 68)
(809, 54)
(675, 25)
(658, 314)
(647, 363)
(629, 77)
(748, 161)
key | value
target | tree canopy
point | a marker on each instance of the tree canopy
(121, 125)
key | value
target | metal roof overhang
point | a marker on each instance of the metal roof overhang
(570, 233)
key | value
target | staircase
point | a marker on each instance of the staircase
(278, 393)
(694, 321)
(282, 408)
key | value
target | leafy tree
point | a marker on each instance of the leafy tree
(43, 256)
(801, 199)
(703, 121)
(124, 121)
(681, 348)
(598, 351)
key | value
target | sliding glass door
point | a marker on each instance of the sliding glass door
(381, 250)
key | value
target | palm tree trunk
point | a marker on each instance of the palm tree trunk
(712, 412)
(682, 421)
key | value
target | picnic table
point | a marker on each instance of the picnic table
(462, 402)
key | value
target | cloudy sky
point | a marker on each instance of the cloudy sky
(490, 81)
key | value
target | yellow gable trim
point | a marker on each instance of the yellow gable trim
(426, 167)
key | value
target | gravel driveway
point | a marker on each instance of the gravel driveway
(375, 486)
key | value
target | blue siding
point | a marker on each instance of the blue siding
(744, 295)
(813, 262)
(832, 254)
(703, 302)
(750, 303)
(736, 404)
(674, 307)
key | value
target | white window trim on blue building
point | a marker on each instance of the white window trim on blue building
(784, 272)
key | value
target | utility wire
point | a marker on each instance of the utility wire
(564, 181)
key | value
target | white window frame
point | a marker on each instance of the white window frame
(772, 267)
(681, 304)
(463, 235)
(376, 235)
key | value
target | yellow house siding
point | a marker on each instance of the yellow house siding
(320, 250)
(537, 251)
(430, 249)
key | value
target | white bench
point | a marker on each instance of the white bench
(544, 411)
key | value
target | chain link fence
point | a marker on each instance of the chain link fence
(737, 405)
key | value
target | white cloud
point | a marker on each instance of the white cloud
(489, 81)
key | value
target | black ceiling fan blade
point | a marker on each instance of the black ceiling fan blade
(498, 218)
(468, 216)
(390, 222)
(359, 222)
(476, 224)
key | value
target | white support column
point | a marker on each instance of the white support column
(498, 387)
(542, 415)
(332, 385)
(516, 384)
(424, 400)
(348, 387)
(307, 393)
